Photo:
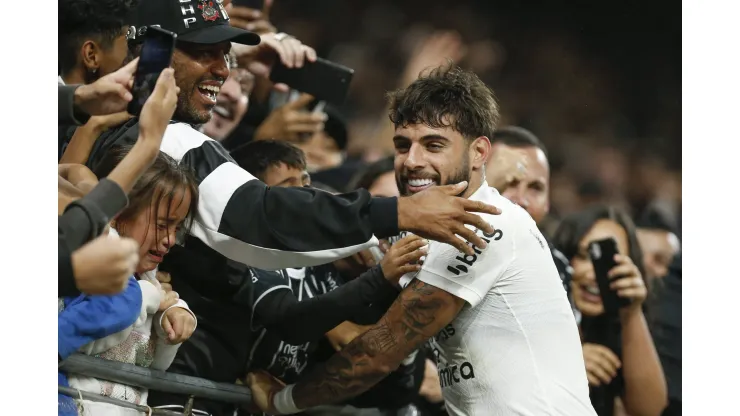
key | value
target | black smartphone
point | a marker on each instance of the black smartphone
(252, 4)
(325, 80)
(156, 55)
(602, 254)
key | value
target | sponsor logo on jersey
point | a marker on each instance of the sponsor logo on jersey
(454, 374)
(464, 262)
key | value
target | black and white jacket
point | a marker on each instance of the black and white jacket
(269, 228)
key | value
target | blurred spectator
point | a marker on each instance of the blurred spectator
(659, 243)
(92, 38)
(378, 178)
(274, 162)
(666, 325)
(231, 102)
(519, 169)
(620, 356)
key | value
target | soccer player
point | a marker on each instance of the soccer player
(499, 321)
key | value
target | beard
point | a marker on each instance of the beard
(187, 111)
(462, 173)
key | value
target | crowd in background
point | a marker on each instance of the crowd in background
(588, 147)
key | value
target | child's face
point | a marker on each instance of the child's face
(155, 231)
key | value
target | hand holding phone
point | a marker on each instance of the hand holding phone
(156, 55)
(602, 254)
(325, 80)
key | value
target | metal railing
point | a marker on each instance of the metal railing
(133, 375)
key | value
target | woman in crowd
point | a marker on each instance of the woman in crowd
(622, 364)
(161, 202)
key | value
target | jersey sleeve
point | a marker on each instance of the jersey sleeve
(269, 227)
(468, 277)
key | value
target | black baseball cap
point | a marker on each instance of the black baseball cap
(196, 21)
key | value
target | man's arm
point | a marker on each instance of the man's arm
(273, 228)
(419, 313)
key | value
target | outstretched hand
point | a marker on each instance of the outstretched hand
(438, 214)
(110, 94)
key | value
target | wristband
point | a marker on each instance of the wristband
(283, 401)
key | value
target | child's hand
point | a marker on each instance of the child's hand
(178, 324)
(168, 299)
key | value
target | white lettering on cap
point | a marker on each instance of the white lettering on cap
(188, 21)
(185, 10)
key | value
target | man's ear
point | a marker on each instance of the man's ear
(89, 53)
(480, 151)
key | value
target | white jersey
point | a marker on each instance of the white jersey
(514, 348)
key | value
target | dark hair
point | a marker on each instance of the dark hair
(256, 156)
(447, 92)
(159, 183)
(652, 218)
(82, 20)
(575, 226)
(367, 176)
(515, 136)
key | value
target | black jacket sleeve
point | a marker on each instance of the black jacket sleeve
(66, 278)
(67, 112)
(83, 220)
(86, 218)
(297, 322)
(267, 228)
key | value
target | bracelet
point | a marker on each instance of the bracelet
(283, 401)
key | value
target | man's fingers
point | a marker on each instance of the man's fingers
(458, 243)
(299, 54)
(478, 206)
(608, 355)
(304, 127)
(305, 117)
(302, 101)
(601, 374)
(478, 222)
(128, 71)
(409, 268)
(470, 236)
(166, 287)
(310, 53)
(165, 83)
(592, 379)
(244, 13)
(409, 246)
(454, 190)
(411, 257)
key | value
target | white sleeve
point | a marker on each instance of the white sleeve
(469, 277)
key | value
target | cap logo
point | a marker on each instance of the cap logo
(209, 12)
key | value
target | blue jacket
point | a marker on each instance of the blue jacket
(88, 318)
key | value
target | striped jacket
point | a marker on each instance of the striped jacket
(268, 228)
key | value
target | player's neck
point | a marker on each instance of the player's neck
(476, 180)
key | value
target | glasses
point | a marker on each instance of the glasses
(243, 77)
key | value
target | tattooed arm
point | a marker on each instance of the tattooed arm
(419, 313)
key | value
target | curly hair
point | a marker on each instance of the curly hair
(447, 96)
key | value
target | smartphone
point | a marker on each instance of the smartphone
(325, 80)
(156, 55)
(602, 254)
(252, 4)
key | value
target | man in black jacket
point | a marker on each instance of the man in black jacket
(240, 217)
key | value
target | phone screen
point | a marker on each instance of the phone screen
(156, 55)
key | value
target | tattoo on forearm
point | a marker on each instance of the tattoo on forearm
(410, 321)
